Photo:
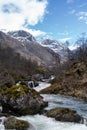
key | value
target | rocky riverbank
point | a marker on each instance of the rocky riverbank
(72, 83)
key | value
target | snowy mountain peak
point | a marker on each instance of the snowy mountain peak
(57, 47)
(22, 35)
(53, 43)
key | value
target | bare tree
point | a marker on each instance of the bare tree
(81, 52)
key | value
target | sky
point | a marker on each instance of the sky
(56, 19)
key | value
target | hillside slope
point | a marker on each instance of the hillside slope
(29, 49)
(72, 83)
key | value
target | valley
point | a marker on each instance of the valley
(41, 81)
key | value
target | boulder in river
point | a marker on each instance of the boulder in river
(64, 114)
(21, 100)
(13, 123)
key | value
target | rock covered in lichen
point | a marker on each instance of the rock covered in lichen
(13, 123)
(64, 114)
(21, 100)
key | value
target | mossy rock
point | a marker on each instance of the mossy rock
(64, 114)
(15, 91)
(13, 123)
(21, 100)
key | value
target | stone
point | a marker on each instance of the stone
(22, 100)
(64, 115)
(13, 123)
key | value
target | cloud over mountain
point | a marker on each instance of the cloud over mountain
(16, 14)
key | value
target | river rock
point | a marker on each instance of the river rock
(21, 100)
(13, 123)
(64, 115)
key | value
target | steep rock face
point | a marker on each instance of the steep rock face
(21, 100)
(57, 47)
(29, 49)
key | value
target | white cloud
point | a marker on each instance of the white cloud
(34, 32)
(82, 16)
(70, 1)
(65, 39)
(15, 14)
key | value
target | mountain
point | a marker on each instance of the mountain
(57, 47)
(61, 49)
(28, 47)
(21, 35)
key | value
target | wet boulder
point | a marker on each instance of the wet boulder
(64, 115)
(21, 100)
(13, 123)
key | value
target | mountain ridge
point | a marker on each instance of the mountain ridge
(57, 47)
(54, 45)
(29, 49)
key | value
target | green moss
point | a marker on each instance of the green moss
(56, 111)
(15, 91)
(13, 123)
(64, 115)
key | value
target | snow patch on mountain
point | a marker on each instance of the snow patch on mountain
(22, 35)
(56, 46)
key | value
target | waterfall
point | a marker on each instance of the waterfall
(31, 84)
(2, 123)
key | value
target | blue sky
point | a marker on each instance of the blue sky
(66, 19)
(57, 19)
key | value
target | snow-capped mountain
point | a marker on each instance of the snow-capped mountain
(57, 47)
(54, 45)
(29, 49)
(22, 35)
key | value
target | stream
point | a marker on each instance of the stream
(41, 122)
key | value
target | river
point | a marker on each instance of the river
(41, 122)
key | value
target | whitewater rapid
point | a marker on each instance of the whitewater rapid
(41, 122)
(42, 85)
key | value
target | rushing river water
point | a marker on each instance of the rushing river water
(41, 122)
